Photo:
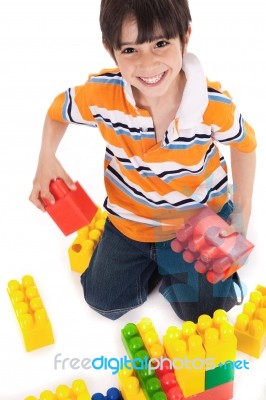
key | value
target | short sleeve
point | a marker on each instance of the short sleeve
(72, 106)
(227, 123)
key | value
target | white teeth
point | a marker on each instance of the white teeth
(153, 79)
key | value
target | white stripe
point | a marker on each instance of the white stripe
(119, 117)
(75, 114)
(215, 94)
(231, 132)
(171, 198)
(123, 213)
(202, 190)
(157, 167)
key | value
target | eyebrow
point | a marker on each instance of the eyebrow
(154, 39)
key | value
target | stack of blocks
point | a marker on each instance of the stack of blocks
(77, 391)
(82, 248)
(136, 350)
(192, 346)
(250, 326)
(30, 312)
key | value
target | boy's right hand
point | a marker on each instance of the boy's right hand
(49, 168)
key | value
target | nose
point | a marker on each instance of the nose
(148, 61)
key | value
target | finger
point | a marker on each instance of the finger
(228, 231)
(34, 198)
(69, 182)
(45, 196)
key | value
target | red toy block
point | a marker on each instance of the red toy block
(174, 392)
(221, 392)
(72, 210)
(200, 241)
(169, 384)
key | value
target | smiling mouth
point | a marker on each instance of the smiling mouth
(153, 80)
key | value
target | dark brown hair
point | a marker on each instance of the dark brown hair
(172, 16)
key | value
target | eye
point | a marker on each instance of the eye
(128, 50)
(161, 43)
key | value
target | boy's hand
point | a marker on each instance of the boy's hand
(238, 223)
(49, 168)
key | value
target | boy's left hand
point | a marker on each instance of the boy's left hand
(238, 223)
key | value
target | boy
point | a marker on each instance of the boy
(160, 119)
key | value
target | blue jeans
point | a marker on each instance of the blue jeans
(122, 272)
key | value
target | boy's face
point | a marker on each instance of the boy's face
(152, 68)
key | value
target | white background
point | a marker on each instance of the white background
(47, 46)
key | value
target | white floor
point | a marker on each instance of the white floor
(45, 47)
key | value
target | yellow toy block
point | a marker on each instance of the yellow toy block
(129, 385)
(30, 312)
(150, 338)
(78, 391)
(184, 347)
(82, 248)
(250, 326)
(218, 337)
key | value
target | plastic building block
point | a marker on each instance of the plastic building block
(111, 394)
(222, 392)
(218, 337)
(150, 338)
(166, 375)
(250, 326)
(129, 385)
(30, 312)
(72, 210)
(219, 375)
(164, 370)
(262, 290)
(82, 248)
(200, 242)
(185, 348)
(131, 390)
(77, 391)
(136, 350)
(220, 344)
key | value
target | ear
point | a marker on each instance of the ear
(187, 37)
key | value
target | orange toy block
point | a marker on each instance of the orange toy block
(77, 391)
(185, 348)
(72, 210)
(218, 337)
(200, 241)
(250, 326)
(31, 314)
(82, 248)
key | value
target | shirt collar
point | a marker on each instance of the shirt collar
(195, 96)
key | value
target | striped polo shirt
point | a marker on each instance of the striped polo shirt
(153, 187)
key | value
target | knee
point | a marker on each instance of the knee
(110, 314)
(100, 301)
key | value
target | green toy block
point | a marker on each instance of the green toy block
(136, 350)
(219, 375)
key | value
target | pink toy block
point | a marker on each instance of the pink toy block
(218, 257)
(72, 210)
